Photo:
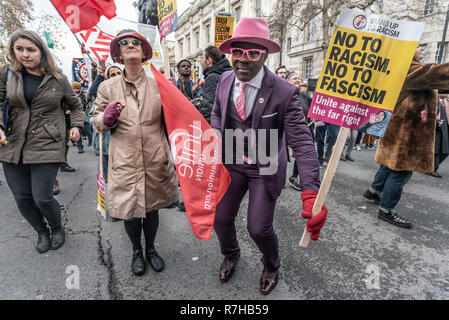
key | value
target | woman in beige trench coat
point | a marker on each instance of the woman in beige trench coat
(141, 174)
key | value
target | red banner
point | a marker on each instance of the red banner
(196, 150)
(84, 14)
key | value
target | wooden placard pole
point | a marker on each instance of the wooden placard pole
(166, 59)
(101, 155)
(101, 206)
(327, 179)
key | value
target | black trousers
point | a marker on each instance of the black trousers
(358, 139)
(439, 155)
(32, 188)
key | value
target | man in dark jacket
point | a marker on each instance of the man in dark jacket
(190, 89)
(281, 72)
(86, 130)
(214, 64)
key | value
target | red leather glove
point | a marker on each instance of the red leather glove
(314, 224)
(111, 113)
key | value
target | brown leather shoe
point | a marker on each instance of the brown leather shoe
(268, 281)
(227, 268)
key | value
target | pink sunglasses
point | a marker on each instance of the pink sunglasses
(252, 54)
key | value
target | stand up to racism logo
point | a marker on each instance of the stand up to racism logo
(359, 22)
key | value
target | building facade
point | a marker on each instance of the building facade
(302, 47)
(434, 15)
(304, 50)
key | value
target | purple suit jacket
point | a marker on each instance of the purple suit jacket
(277, 106)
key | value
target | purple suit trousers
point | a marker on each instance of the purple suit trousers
(260, 215)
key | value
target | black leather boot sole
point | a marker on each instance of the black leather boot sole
(155, 260)
(372, 196)
(43, 242)
(181, 207)
(394, 219)
(138, 263)
(58, 239)
(436, 174)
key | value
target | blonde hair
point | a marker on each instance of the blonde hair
(76, 85)
(47, 65)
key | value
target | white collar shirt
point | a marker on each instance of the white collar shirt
(251, 90)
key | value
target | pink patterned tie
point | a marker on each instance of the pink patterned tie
(241, 101)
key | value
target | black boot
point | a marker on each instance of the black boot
(181, 206)
(138, 263)
(348, 157)
(155, 260)
(395, 219)
(58, 238)
(43, 242)
(66, 168)
(372, 196)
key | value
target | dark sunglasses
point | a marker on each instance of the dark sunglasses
(134, 42)
(252, 54)
(114, 74)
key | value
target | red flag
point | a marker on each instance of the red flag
(196, 150)
(84, 14)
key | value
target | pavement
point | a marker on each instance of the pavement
(357, 256)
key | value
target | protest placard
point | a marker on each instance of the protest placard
(101, 196)
(224, 28)
(360, 81)
(365, 65)
(152, 35)
(80, 73)
(168, 17)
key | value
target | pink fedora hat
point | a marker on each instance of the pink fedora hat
(253, 30)
(115, 51)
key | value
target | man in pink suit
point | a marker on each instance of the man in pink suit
(251, 98)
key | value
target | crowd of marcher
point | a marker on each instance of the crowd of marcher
(123, 105)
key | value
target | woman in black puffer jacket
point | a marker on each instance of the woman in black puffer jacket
(214, 64)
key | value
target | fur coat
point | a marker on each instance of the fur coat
(409, 141)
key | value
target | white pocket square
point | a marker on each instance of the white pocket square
(270, 115)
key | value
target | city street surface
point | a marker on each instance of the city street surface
(357, 256)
